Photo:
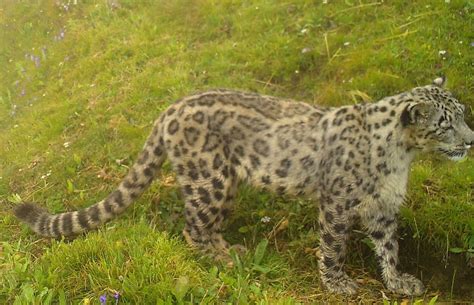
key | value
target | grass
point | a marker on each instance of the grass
(82, 83)
(147, 267)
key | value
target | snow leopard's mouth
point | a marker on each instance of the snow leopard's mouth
(454, 155)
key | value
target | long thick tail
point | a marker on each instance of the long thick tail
(135, 183)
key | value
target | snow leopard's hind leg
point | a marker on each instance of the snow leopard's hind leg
(208, 202)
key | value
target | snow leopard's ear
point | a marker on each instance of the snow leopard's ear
(440, 81)
(418, 113)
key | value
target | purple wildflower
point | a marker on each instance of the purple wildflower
(43, 52)
(37, 61)
(472, 44)
(103, 299)
(116, 297)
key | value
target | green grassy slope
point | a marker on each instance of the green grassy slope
(81, 84)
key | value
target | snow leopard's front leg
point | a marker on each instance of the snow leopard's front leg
(382, 230)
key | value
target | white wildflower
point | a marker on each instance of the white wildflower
(265, 219)
(46, 175)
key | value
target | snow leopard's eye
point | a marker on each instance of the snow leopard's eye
(444, 123)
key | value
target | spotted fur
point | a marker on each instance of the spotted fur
(353, 159)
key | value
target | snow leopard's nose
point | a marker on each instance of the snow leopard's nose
(470, 143)
(469, 139)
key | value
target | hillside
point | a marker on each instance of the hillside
(81, 84)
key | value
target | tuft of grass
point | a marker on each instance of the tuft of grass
(82, 83)
(142, 265)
